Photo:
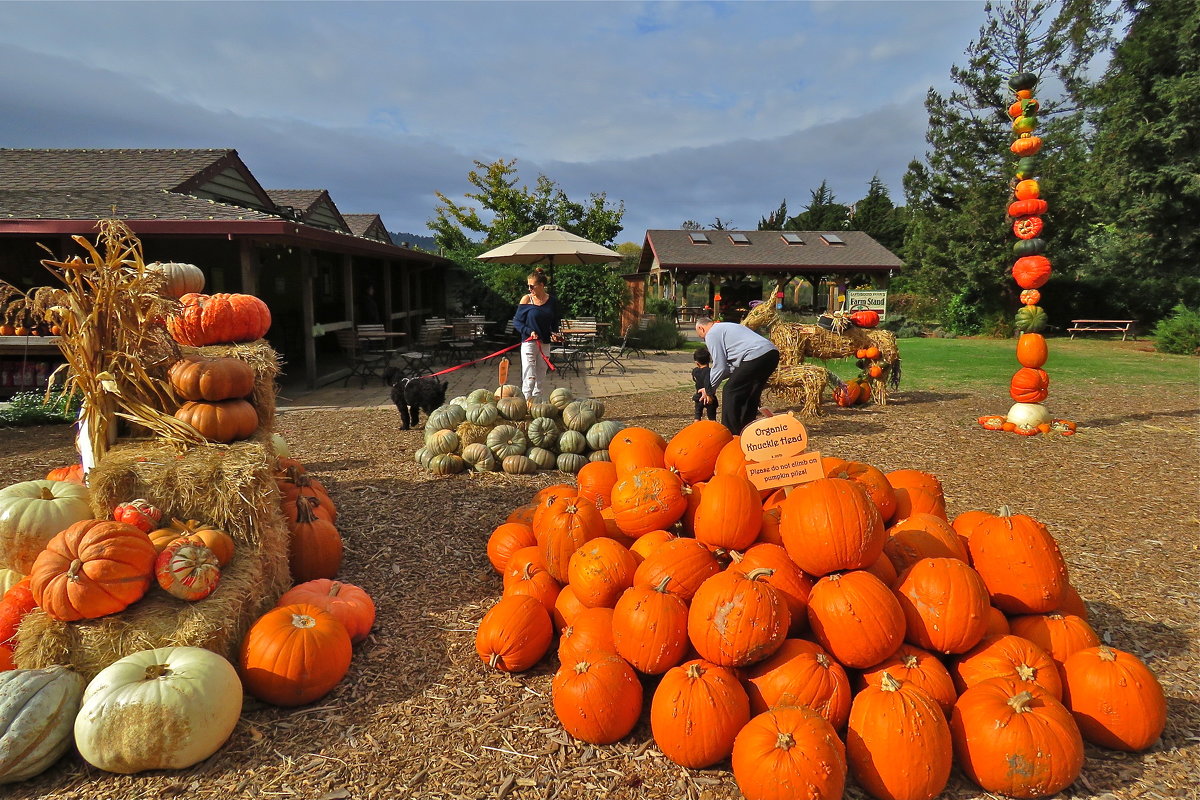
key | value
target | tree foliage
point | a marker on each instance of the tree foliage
(823, 213)
(877, 216)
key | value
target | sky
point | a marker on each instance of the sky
(680, 110)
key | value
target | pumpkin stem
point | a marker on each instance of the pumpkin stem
(303, 621)
(74, 570)
(887, 683)
(761, 572)
(582, 667)
(1026, 672)
(911, 661)
(1020, 703)
(1107, 653)
(335, 589)
(823, 660)
(494, 661)
(662, 585)
(157, 671)
(785, 741)
(46, 493)
(694, 670)
(1004, 511)
(306, 513)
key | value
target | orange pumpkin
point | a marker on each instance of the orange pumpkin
(1060, 635)
(1031, 350)
(916, 491)
(856, 618)
(198, 378)
(789, 752)
(566, 525)
(800, 673)
(1031, 272)
(589, 633)
(597, 700)
(91, 569)
(1020, 562)
(352, 606)
(1026, 145)
(1115, 699)
(595, 480)
(945, 605)
(650, 628)
(697, 711)
(648, 499)
(789, 580)
(514, 634)
(14, 605)
(919, 536)
(294, 654)
(635, 448)
(600, 571)
(1006, 656)
(316, 548)
(219, 318)
(692, 453)
(506, 539)
(1029, 385)
(567, 609)
(535, 583)
(737, 619)
(729, 515)
(648, 543)
(830, 524)
(224, 421)
(685, 563)
(870, 478)
(919, 668)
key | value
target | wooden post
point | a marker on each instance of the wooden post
(387, 292)
(248, 255)
(348, 286)
(306, 301)
(406, 303)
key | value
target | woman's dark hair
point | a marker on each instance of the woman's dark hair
(538, 275)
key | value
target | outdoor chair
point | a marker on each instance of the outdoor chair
(374, 339)
(614, 353)
(421, 357)
(363, 363)
(462, 342)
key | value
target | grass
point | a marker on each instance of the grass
(935, 364)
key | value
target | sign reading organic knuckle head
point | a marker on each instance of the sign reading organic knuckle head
(775, 449)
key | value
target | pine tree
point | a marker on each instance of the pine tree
(878, 217)
(824, 213)
(776, 219)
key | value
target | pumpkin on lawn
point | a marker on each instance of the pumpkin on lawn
(295, 654)
(91, 569)
(219, 318)
(1029, 384)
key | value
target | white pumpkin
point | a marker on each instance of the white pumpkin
(1027, 415)
(280, 446)
(37, 710)
(8, 579)
(167, 708)
(179, 278)
(32, 513)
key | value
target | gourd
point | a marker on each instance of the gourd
(187, 569)
(600, 435)
(32, 512)
(507, 440)
(197, 378)
(37, 711)
(179, 279)
(543, 432)
(294, 654)
(167, 708)
(579, 416)
(91, 569)
(219, 318)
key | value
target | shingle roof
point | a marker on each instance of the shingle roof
(299, 199)
(766, 250)
(55, 170)
(361, 224)
(129, 204)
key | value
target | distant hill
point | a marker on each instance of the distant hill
(414, 240)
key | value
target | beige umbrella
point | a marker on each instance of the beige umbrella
(550, 245)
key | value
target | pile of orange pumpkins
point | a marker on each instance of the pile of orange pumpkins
(842, 629)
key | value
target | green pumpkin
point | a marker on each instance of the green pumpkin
(540, 409)
(1022, 81)
(479, 458)
(572, 442)
(544, 432)
(507, 440)
(461, 400)
(481, 396)
(1024, 124)
(482, 414)
(1026, 167)
(447, 464)
(512, 408)
(571, 462)
(1029, 247)
(597, 406)
(601, 434)
(545, 459)
(598, 455)
(579, 415)
(518, 465)
(561, 397)
(447, 417)
(422, 456)
(442, 441)
(1031, 319)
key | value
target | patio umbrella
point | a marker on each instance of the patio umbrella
(550, 245)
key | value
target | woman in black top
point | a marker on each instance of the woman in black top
(536, 322)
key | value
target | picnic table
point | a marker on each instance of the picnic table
(1121, 326)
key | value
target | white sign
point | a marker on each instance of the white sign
(858, 300)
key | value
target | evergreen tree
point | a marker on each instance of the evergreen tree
(1145, 172)
(776, 219)
(876, 216)
(824, 213)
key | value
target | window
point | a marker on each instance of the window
(699, 238)
(792, 238)
(832, 238)
(739, 238)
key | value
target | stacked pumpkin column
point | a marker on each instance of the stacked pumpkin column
(1030, 384)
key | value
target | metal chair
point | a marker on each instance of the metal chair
(424, 353)
(462, 342)
(613, 353)
(363, 363)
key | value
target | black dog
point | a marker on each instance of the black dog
(414, 395)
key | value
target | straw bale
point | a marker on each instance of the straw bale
(800, 386)
(265, 361)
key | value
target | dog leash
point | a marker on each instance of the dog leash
(549, 365)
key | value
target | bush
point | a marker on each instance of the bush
(660, 306)
(1179, 333)
(999, 325)
(902, 326)
(962, 317)
(916, 306)
(30, 408)
(662, 334)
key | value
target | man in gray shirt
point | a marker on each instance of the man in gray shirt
(746, 359)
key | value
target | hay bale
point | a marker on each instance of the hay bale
(232, 487)
(265, 361)
(800, 386)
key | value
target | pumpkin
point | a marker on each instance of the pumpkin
(597, 455)
(37, 711)
(178, 279)
(788, 753)
(997, 623)
(1072, 603)
(1031, 272)
(685, 563)
(1029, 247)
(187, 569)
(792, 584)
(1024, 124)
(697, 711)
(296, 653)
(224, 421)
(487, 414)
(139, 513)
(567, 610)
(514, 634)
(567, 524)
(15, 603)
(919, 668)
(32, 512)
(91, 569)
(1060, 635)
(600, 435)
(446, 417)
(922, 535)
(647, 544)
(506, 539)
(856, 618)
(589, 632)
(648, 499)
(578, 416)
(600, 571)
(1027, 208)
(1019, 562)
(573, 463)
(847, 394)
(729, 515)
(352, 606)
(1031, 351)
(561, 397)
(1015, 739)
(1022, 81)
(315, 548)
(1027, 189)
(650, 628)
(831, 524)
(514, 409)
(898, 742)
(1029, 384)
(520, 560)
(71, 474)
(1031, 319)
(1026, 145)
(865, 319)
(198, 378)
(945, 605)
(800, 673)
(595, 481)
(597, 700)
(737, 619)
(8, 579)
(218, 319)
(535, 582)
(221, 543)
(1006, 656)
(1028, 228)
(692, 453)
(1115, 699)
(635, 448)
(167, 708)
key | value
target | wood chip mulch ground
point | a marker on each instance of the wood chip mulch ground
(419, 716)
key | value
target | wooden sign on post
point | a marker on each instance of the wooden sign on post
(774, 446)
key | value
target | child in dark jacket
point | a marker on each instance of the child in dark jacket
(700, 376)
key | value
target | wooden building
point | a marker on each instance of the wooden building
(317, 269)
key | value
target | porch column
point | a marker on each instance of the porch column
(306, 302)
(406, 276)
(348, 286)
(387, 293)
(248, 256)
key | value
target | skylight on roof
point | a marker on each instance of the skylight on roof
(792, 238)
(832, 238)
(699, 238)
(739, 238)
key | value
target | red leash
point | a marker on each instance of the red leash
(549, 365)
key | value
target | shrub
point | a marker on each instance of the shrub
(1179, 333)
(30, 408)
(998, 325)
(661, 334)
(660, 306)
(962, 317)
(902, 326)
(916, 306)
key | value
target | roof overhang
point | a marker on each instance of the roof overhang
(775, 269)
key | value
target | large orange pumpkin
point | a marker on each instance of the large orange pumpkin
(737, 619)
(597, 700)
(219, 318)
(590, 632)
(1029, 385)
(91, 569)
(800, 673)
(224, 421)
(648, 499)
(211, 379)
(922, 535)
(788, 753)
(789, 580)
(635, 448)
(352, 606)
(14, 605)
(916, 491)
(693, 451)
(831, 524)
(600, 571)
(1031, 272)
(316, 547)
(1020, 562)
(535, 583)
(1031, 350)
(945, 605)
(697, 711)
(1006, 656)
(870, 478)
(294, 654)
(650, 628)
(729, 515)
(685, 563)
(856, 618)
(596, 479)
(1115, 699)
(921, 669)
(514, 634)
(506, 539)
(567, 609)
(1060, 635)
(567, 524)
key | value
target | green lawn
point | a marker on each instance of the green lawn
(935, 364)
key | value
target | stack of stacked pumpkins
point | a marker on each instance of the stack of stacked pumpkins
(746, 613)
(486, 431)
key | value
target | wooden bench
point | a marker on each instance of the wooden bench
(1121, 326)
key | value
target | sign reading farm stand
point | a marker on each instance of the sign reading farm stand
(774, 446)
(867, 300)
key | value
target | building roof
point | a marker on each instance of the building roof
(765, 251)
(369, 226)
